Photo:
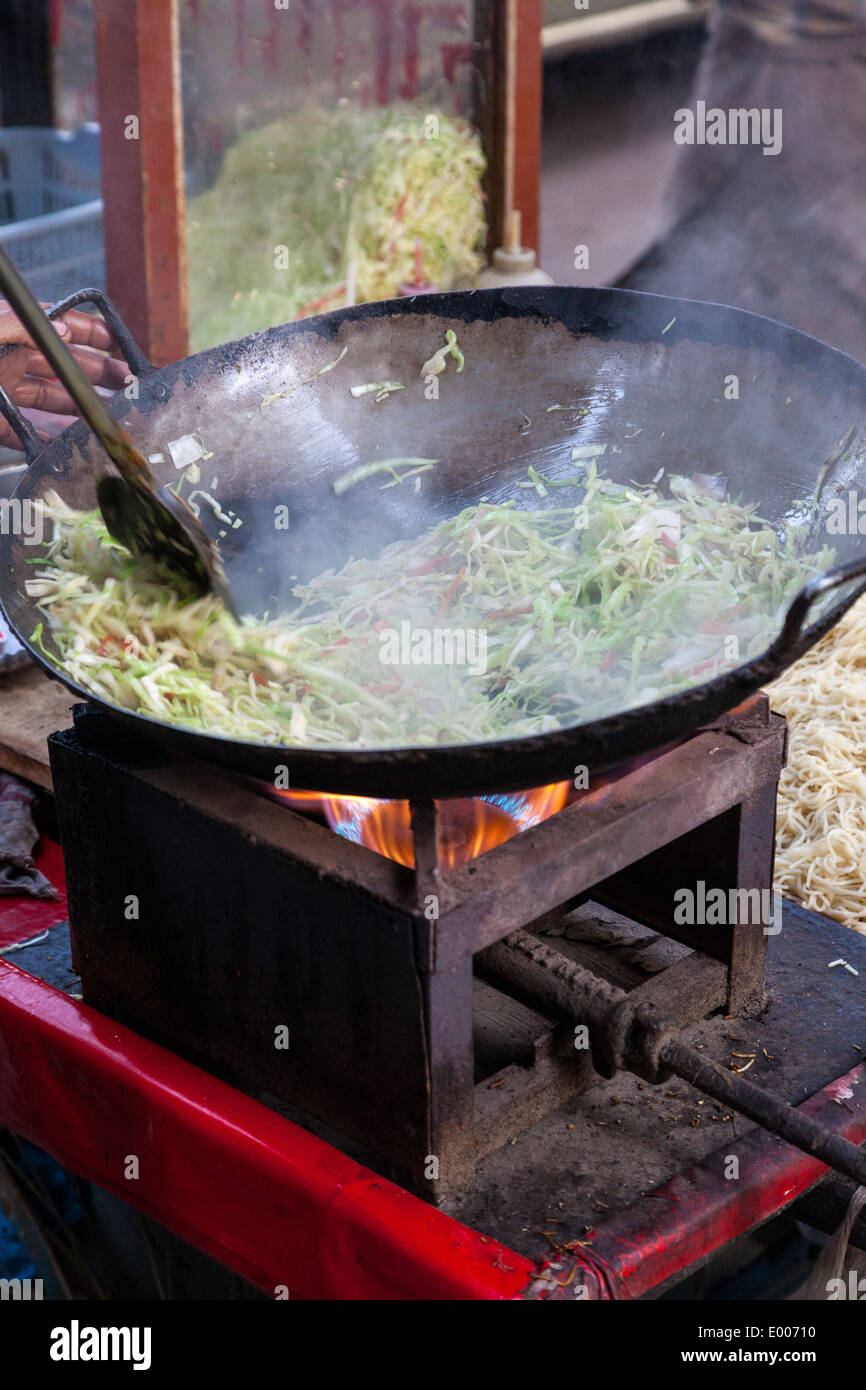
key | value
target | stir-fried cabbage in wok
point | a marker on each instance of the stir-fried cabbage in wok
(546, 618)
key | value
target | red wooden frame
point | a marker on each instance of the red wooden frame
(138, 79)
(524, 83)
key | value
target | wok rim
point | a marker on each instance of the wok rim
(447, 770)
(462, 769)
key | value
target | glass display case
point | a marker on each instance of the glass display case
(263, 160)
(331, 154)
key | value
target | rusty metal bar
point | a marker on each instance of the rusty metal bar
(545, 979)
(766, 1110)
(138, 78)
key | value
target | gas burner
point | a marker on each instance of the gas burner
(413, 1009)
(467, 826)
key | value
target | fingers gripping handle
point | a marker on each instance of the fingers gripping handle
(138, 364)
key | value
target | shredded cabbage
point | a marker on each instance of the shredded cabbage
(586, 611)
(345, 193)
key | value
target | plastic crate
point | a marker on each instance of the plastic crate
(44, 171)
(50, 209)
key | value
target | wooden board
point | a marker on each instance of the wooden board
(31, 708)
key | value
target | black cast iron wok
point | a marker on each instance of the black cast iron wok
(653, 373)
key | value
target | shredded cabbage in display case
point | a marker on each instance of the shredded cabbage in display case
(346, 193)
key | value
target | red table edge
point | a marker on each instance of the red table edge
(638, 1249)
(297, 1217)
(249, 1187)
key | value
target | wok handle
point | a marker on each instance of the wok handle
(132, 353)
(27, 435)
(138, 364)
(790, 639)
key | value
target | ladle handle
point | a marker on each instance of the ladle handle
(128, 460)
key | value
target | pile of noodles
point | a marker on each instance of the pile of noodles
(821, 826)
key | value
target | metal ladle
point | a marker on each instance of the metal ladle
(139, 512)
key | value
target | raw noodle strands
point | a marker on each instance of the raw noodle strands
(821, 813)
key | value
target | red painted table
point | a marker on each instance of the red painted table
(296, 1216)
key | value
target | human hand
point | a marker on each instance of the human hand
(29, 379)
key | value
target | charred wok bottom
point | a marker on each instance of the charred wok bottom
(265, 947)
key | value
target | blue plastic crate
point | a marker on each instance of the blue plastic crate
(50, 209)
(44, 171)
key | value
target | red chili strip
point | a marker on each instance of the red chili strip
(318, 303)
(450, 592)
(437, 563)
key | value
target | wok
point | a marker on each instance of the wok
(652, 373)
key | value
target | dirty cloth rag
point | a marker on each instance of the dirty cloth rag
(18, 836)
